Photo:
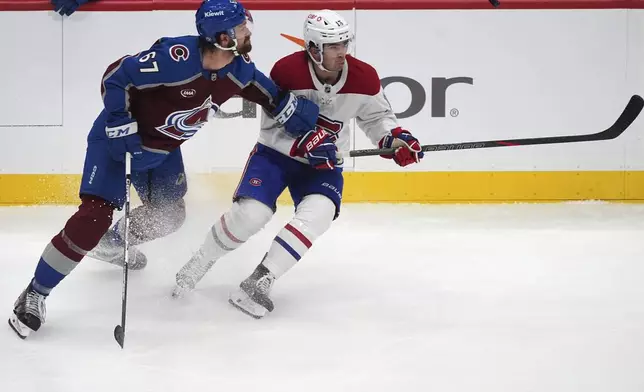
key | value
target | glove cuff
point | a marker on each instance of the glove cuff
(388, 141)
(122, 130)
(398, 131)
(286, 109)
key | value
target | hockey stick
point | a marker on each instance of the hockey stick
(119, 330)
(627, 117)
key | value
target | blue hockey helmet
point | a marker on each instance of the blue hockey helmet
(220, 16)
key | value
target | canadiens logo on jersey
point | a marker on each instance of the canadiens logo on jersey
(183, 124)
(331, 126)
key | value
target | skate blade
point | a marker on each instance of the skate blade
(246, 305)
(19, 328)
(183, 286)
(180, 292)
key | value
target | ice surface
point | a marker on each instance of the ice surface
(442, 298)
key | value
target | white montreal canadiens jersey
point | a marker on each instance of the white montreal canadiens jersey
(358, 94)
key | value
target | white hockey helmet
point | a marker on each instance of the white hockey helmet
(325, 27)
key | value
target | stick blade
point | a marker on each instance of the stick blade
(630, 114)
(119, 335)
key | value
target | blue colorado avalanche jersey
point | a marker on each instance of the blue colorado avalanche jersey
(169, 94)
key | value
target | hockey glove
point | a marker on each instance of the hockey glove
(124, 139)
(298, 115)
(67, 7)
(318, 148)
(407, 147)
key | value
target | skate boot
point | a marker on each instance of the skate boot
(191, 273)
(252, 297)
(28, 312)
(110, 249)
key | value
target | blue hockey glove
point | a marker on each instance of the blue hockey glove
(124, 139)
(298, 115)
(408, 148)
(318, 148)
(67, 7)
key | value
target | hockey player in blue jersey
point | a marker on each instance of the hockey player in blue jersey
(153, 102)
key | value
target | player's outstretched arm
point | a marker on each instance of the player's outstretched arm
(376, 118)
(378, 121)
(297, 115)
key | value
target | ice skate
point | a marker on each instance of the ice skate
(191, 273)
(29, 312)
(252, 297)
(110, 249)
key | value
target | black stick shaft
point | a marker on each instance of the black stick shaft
(630, 113)
(119, 330)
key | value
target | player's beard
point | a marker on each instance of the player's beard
(244, 47)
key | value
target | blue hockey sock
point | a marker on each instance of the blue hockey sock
(54, 265)
(45, 278)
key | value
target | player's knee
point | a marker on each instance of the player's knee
(247, 217)
(175, 213)
(93, 218)
(315, 214)
(169, 216)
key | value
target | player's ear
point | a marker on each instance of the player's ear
(313, 50)
(223, 39)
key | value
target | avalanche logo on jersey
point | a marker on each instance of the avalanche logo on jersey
(179, 52)
(183, 124)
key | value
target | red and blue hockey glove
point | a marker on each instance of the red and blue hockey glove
(298, 115)
(407, 147)
(67, 7)
(122, 139)
(317, 146)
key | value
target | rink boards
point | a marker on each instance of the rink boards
(453, 72)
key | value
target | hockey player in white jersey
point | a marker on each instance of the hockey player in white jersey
(344, 88)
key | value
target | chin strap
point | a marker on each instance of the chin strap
(231, 34)
(232, 48)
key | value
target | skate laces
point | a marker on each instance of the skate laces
(195, 268)
(265, 283)
(198, 265)
(35, 304)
